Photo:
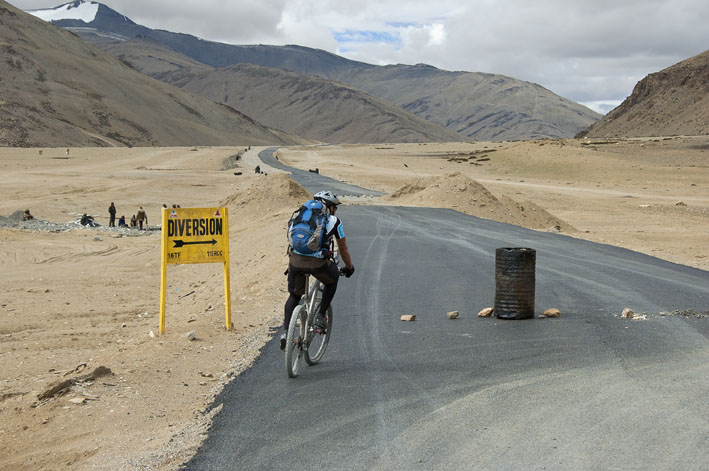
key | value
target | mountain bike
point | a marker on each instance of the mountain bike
(306, 340)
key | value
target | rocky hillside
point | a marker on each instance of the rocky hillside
(307, 106)
(674, 101)
(475, 105)
(57, 90)
(151, 57)
(311, 107)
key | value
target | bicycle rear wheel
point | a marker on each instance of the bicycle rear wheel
(295, 342)
(318, 337)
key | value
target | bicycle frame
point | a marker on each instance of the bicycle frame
(311, 291)
(301, 333)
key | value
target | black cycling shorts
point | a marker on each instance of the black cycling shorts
(324, 270)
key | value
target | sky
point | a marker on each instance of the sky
(589, 51)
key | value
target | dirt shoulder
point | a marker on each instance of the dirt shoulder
(86, 386)
(85, 299)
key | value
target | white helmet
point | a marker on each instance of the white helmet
(327, 197)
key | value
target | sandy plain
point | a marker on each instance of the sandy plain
(75, 301)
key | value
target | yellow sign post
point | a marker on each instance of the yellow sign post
(195, 235)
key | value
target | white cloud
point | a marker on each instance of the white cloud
(602, 107)
(437, 34)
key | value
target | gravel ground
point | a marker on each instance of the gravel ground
(15, 222)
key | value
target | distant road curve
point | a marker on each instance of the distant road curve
(315, 182)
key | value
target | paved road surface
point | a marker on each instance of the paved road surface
(314, 181)
(587, 391)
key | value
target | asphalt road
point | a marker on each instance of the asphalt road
(315, 182)
(589, 390)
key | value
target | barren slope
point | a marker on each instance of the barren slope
(151, 57)
(57, 90)
(477, 105)
(310, 106)
(674, 101)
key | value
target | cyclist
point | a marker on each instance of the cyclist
(321, 266)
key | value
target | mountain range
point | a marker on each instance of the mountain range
(125, 84)
(305, 105)
(474, 105)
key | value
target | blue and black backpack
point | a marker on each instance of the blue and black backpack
(307, 228)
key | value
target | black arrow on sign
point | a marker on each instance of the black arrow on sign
(180, 242)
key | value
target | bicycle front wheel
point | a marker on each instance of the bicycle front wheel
(295, 341)
(318, 335)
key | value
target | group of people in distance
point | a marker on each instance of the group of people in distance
(136, 221)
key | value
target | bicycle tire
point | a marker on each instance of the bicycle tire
(295, 342)
(317, 340)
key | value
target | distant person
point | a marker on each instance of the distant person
(87, 220)
(142, 217)
(112, 215)
(26, 216)
(133, 221)
(122, 222)
(258, 169)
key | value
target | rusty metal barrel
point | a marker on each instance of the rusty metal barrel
(515, 282)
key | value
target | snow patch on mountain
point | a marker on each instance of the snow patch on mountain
(80, 10)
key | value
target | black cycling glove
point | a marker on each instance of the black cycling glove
(346, 272)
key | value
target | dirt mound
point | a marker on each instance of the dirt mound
(268, 194)
(466, 195)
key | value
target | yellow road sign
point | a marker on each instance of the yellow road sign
(195, 235)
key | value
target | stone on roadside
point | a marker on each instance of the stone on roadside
(192, 335)
(627, 313)
(453, 315)
(487, 312)
(151, 334)
(553, 312)
(78, 400)
(408, 317)
(680, 203)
